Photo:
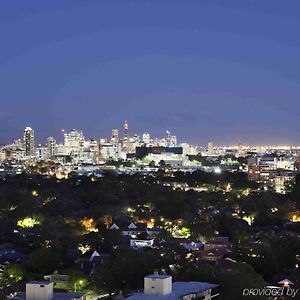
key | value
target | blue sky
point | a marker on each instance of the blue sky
(221, 70)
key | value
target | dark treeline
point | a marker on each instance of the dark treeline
(59, 206)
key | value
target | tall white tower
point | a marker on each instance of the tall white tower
(51, 147)
(29, 141)
(210, 148)
(115, 136)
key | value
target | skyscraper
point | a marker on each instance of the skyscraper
(126, 137)
(115, 136)
(146, 138)
(171, 140)
(29, 141)
(51, 147)
(125, 131)
(210, 148)
(74, 143)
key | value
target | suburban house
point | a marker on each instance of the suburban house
(133, 229)
(213, 255)
(217, 242)
(189, 244)
(90, 260)
(140, 244)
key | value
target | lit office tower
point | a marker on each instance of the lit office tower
(51, 147)
(29, 141)
(210, 148)
(171, 140)
(146, 138)
(125, 130)
(126, 137)
(115, 136)
(74, 143)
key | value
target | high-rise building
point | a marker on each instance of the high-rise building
(110, 151)
(41, 153)
(171, 140)
(146, 138)
(29, 142)
(262, 169)
(51, 147)
(126, 137)
(210, 148)
(74, 143)
(125, 131)
(115, 136)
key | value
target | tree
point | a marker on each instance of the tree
(79, 281)
(152, 164)
(204, 273)
(286, 249)
(124, 270)
(202, 230)
(244, 277)
(12, 273)
(162, 164)
(43, 261)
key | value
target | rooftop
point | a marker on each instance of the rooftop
(59, 296)
(157, 276)
(179, 289)
(40, 282)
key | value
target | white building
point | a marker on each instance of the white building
(43, 290)
(210, 148)
(115, 136)
(171, 140)
(146, 138)
(41, 153)
(51, 147)
(284, 182)
(140, 244)
(286, 163)
(188, 149)
(156, 284)
(172, 159)
(160, 287)
(29, 142)
(36, 290)
(109, 151)
(74, 144)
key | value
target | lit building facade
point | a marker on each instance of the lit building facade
(74, 144)
(51, 147)
(29, 142)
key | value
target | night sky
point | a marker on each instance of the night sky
(221, 70)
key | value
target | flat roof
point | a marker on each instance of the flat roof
(59, 296)
(179, 289)
(67, 296)
(39, 282)
(157, 276)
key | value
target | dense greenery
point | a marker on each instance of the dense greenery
(45, 216)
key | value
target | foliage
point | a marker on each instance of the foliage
(11, 274)
(43, 261)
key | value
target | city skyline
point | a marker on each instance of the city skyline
(224, 72)
(122, 135)
(149, 149)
